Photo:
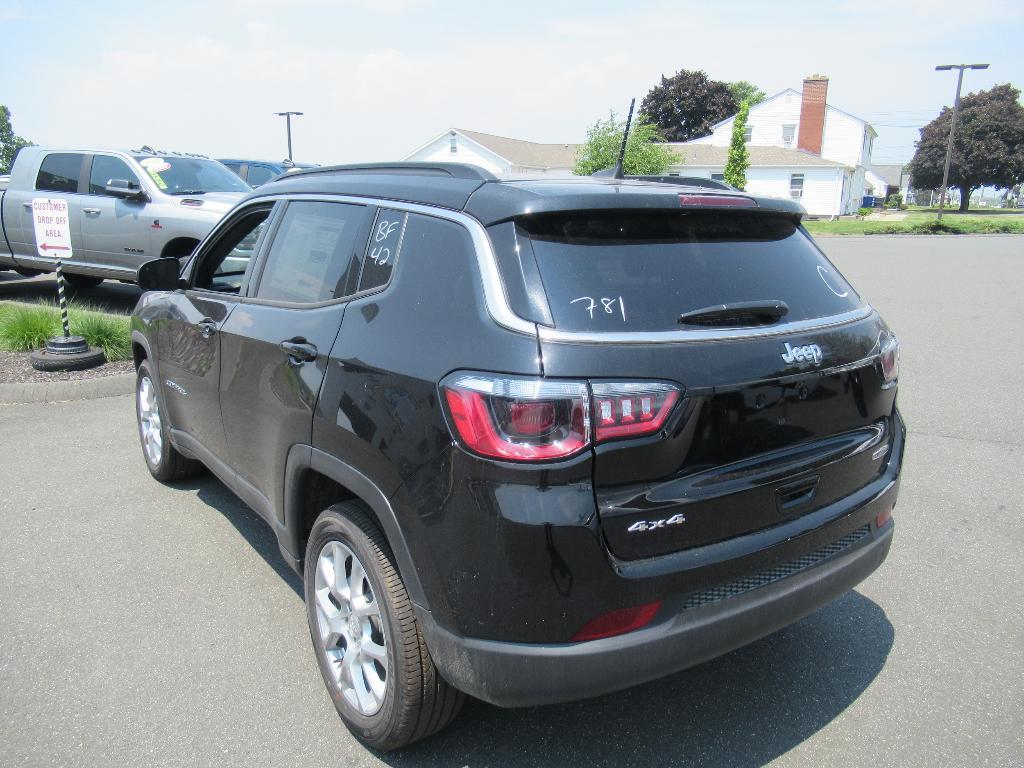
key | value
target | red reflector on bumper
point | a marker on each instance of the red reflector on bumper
(883, 517)
(617, 622)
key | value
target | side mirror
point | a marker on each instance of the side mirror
(159, 275)
(125, 189)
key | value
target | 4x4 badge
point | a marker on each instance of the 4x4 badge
(643, 526)
(809, 353)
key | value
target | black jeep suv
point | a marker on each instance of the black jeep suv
(530, 441)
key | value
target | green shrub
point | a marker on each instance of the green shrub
(895, 200)
(865, 211)
(27, 326)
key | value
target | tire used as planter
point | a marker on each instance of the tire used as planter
(42, 360)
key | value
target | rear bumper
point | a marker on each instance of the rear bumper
(520, 674)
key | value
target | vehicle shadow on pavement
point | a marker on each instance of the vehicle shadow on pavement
(743, 709)
(110, 296)
(249, 524)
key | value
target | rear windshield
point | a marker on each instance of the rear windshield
(641, 271)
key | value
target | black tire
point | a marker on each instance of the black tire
(82, 281)
(43, 361)
(170, 465)
(417, 701)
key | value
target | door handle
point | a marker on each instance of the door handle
(90, 210)
(299, 351)
(207, 327)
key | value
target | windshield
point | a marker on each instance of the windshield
(639, 271)
(190, 175)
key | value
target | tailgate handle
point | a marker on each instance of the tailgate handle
(793, 495)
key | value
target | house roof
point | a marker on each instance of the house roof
(890, 174)
(707, 155)
(796, 93)
(525, 153)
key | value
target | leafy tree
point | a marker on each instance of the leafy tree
(739, 158)
(645, 155)
(748, 92)
(9, 143)
(686, 105)
(988, 149)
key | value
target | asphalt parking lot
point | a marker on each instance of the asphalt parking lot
(152, 625)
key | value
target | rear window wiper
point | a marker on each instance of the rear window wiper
(737, 313)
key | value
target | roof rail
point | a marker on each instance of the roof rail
(451, 170)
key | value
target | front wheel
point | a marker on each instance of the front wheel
(164, 461)
(368, 644)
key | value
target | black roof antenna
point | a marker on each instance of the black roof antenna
(617, 173)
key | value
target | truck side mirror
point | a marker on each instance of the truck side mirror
(159, 275)
(125, 189)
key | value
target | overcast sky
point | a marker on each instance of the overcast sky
(378, 78)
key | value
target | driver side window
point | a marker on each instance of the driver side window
(223, 267)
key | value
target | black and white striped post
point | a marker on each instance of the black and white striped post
(62, 299)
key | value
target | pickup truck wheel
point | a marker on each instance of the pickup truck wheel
(82, 281)
(165, 463)
(368, 644)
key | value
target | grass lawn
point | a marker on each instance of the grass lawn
(28, 326)
(922, 224)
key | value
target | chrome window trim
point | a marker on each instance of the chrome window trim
(501, 312)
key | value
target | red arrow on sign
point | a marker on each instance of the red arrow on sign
(47, 247)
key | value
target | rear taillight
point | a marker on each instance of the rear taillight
(631, 409)
(890, 359)
(526, 419)
(522, 419)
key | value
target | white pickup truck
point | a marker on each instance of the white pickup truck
(125, 208)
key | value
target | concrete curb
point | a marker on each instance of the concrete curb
(59, 391)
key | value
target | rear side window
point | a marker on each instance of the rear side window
(311, 258)
(382, 249)
(60, 172)
(621, 272)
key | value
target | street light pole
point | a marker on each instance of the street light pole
(288, 121)
(952, 127)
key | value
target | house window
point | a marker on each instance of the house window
(796, 185)
(788, 131)
(453, 145)
(718, 177)
(748, 132)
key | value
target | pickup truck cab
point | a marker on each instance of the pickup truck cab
(126, 207)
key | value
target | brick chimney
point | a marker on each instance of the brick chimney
(812, 113)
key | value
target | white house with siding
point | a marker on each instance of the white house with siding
(500, 155)
(807, 129)
(800, 147)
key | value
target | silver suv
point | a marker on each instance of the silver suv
(126, 207)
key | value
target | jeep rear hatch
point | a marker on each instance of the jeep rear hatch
(785, 407)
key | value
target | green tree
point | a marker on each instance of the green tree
(739, 157)
(988, 149)
(645, 154)
(687, 105)
(9, 143)
(748, 92)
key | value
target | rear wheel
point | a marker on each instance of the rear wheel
(164, 461)
(82, 281)
(368, 644)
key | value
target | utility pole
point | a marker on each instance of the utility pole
(952, 128)
(288, 118)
